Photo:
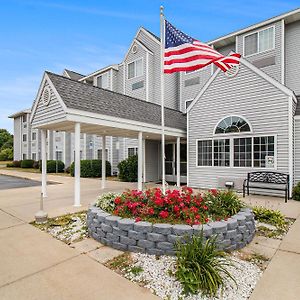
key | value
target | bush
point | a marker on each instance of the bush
(91, 168)
(17, 163)
(7, 154)
(269, 216)
(67, 170)
(52, 165)
(27, 163)
(36, 164)
(10, 165)
(223, 204)
(107, 202)
(201, 266)
(296, 192)
(128, 169)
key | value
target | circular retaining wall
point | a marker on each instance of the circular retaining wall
(158, 239)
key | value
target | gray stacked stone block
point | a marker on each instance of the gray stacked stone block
(158, 239)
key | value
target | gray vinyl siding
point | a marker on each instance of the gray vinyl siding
(247, 95)
(292, 57)
(297, 150)
(52, 112)
(67, 150)
(272, 70)
(17, 138)
(120, 79)
(226, 49)
(152, 161)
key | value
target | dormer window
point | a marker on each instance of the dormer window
(24, 118)
(103, 81)
(259, 41)
(135, 68)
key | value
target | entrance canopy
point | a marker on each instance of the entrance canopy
(63, 104)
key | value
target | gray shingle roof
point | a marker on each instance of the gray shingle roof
(74, 75)
(85, 97)
(297, 112)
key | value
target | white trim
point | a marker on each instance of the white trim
(291, 149)
(98, 119)
(231, 146)
(144, 160)
(115, 67)
(111, 79)
(111, 154)
(262, 74)
(134, 61)
(188, 152)
(147, 76)
(185, 101)
(255, 26)
(282, 51)
(136, 41)
(180, 91)
(236, 44)
(148, 34)
(232, 133)
(258, 33)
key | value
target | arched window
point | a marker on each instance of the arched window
(232, 124)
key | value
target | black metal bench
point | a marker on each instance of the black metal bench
(279, 181)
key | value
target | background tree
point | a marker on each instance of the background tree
(6, 145)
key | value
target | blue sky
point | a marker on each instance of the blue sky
(87, 35)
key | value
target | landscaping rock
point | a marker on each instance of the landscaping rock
(142, 227)
(156, 237)
(162, 228)
(182, 229)
(136, 249)
(120, 246)
(137, 235)
(155, 251)
(126, 224)
(165, 245)
(127, 241)
(112, 220)
(218, 227)
(112, 237)
(145, 244)
(106, 228)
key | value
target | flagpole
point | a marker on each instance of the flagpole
(162, 90)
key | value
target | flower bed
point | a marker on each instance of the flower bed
(131, 227)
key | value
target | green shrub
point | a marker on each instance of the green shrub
(269, 216)
(10, 165)
(36, 164)
(107, 202)
(223, 204)
(201, 267)
(27, 163)
(91, 168)
(17, 163)
(53, 166)
(296, 192)
(128, 169)
(7, 154)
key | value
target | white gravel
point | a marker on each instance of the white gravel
(156, 275)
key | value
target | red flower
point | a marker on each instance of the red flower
(118, 200)
(176, 209)
(214, 192)
(150, 211)
(164, 214)
(205, 207)
(206, 220)
(138, 219)
(197, 217)
(159, 201)
(194, 209)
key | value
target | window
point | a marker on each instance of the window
(222, 153)
(99, 153)
(243, 152)
(260, 41)
(188, 103)
(24, 118)
(103, 81)
(24, 137)
(264, 151)
(132, 151)
(232, 124)
(135, 68)
(24, 156)
(58, 155)
(205, 153)
(33, 156)
(34, 136)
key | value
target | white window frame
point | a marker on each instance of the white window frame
(24, 135)
(258, 31)
(231, 145)
(135, 151)
(134, 61)
(34, 134)
(32, 154)
(108, 81)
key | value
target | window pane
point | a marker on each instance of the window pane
(243, 152)
(266, 39)
(131, 70)
(102, 81)
(221, 153)
(232, 124)
(205, 153)
(251, 44)
(139, 67)
(264, 152)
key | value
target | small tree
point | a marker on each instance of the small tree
(128, 169)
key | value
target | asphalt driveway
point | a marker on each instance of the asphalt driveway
(11, 182)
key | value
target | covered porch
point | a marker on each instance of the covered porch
(70, 106)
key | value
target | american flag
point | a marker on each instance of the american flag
(184, 53)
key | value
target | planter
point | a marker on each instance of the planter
(159, 239)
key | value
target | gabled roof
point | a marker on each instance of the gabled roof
(114, 67)
(72, 75)
(155, 36)
(84, 97)
(20, 113)
(262, 74)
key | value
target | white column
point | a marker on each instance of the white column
(77, 166)
(178, 160)
(103, 181)
(140, 161)
(44, 162)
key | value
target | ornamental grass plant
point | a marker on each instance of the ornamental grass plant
(201, 267)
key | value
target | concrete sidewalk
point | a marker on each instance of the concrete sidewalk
(34, 265)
